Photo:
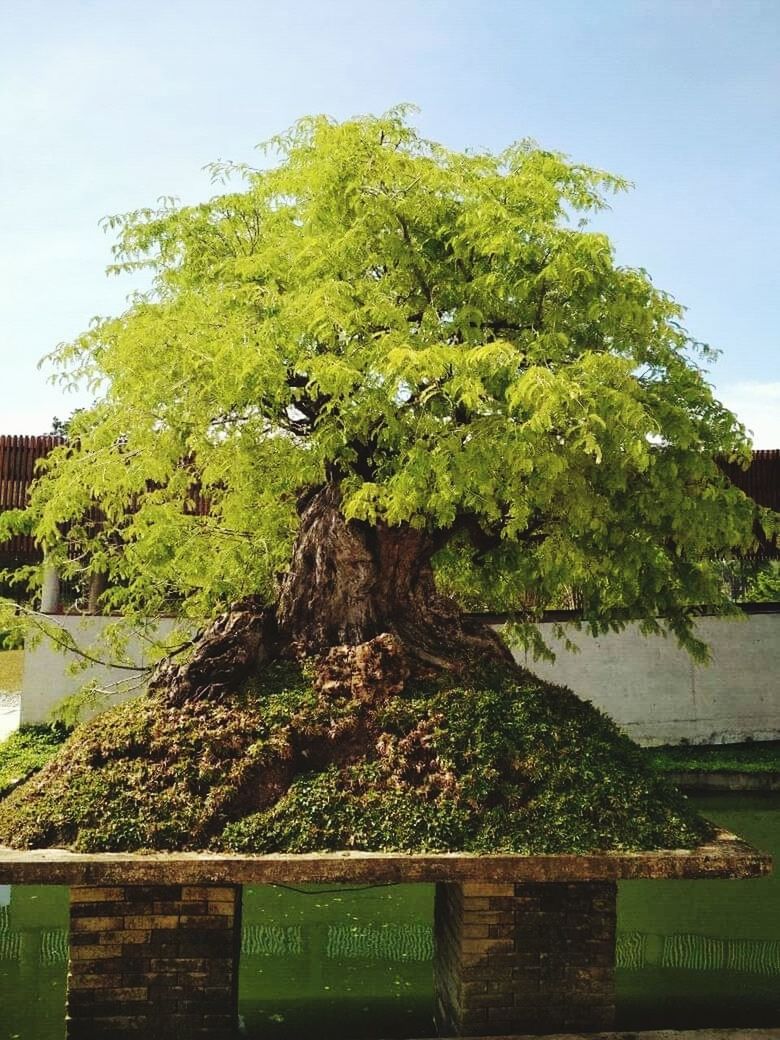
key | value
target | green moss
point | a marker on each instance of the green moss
(500, 763)
(342, 809)
(751, 757)
(27, 751)
(139, 776)
(524, 768)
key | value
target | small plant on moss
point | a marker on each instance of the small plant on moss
(87, 700)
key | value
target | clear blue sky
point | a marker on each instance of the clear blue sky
(106, 105)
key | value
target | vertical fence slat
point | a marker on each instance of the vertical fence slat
(19, 455)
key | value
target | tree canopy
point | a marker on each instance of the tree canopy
(442, 334)
(392, 370)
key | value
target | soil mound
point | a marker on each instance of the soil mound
(500, 762)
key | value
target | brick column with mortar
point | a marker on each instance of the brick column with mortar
(524, 958)
(154, 960)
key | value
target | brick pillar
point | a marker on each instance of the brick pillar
(160, 961)
(525, 958)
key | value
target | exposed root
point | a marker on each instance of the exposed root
(359, 603)
(368, 672)
(234, 646)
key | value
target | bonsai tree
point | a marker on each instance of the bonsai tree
(406, 380)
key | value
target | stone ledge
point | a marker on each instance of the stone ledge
(727, 856)
(722, 780)
(655, 1034)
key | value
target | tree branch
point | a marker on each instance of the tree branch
(487, 539)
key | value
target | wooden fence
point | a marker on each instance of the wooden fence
(19, 455)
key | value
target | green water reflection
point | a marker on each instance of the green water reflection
(33, 962)
(705, 953)
(343, 964)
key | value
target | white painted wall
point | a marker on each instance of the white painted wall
(49, 675)
(649, 686)
(658, 695)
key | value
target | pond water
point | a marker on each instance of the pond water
(347, 964)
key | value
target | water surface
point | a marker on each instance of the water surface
(705, 953)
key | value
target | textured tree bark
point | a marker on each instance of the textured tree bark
(229, 650)
(359, 599)
(350, 583)
(98, 583)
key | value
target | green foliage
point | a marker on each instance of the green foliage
(10, 639)
(13, 633)
(61, 427)
(445, 334)
(14, 577)
(27, 751)
(764, 586)
(751, 757)
(748, 580)
(119, 645)
(70, 710)
(493, 764)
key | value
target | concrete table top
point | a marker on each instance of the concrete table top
(653, 1034)
(727, 856)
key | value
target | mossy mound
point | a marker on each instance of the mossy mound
(506, 763)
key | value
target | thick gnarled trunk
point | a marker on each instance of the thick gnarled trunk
(350, 582)
(358, 599)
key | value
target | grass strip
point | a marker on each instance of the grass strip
(750, 757)
(11, 670)
(27, 751)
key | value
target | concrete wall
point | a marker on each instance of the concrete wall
(652, 689)
(48, 674)
(658, 695)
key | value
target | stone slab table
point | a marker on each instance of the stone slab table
(523, 944)
(656, 1034)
